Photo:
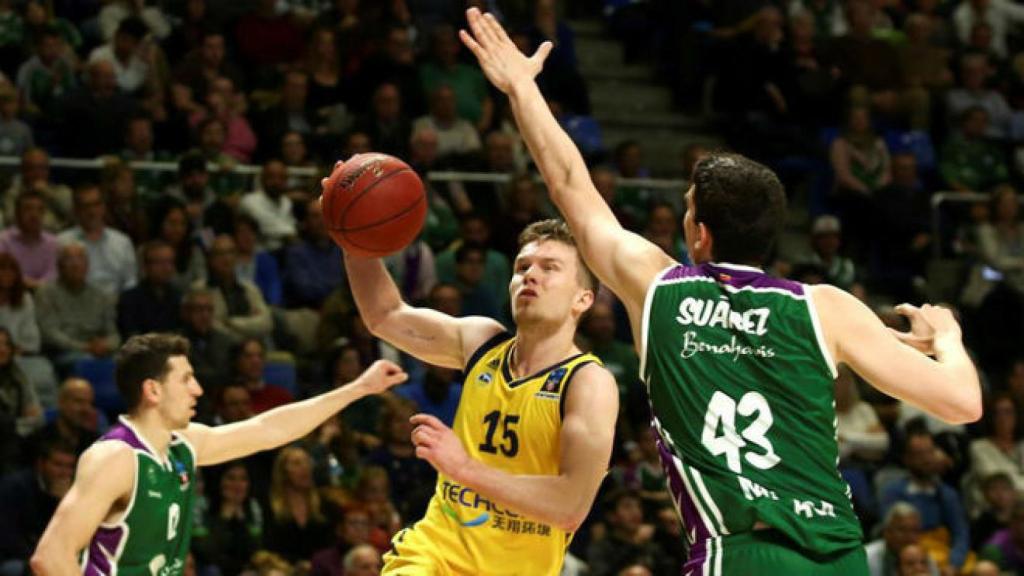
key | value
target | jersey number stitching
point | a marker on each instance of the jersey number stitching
(722, 411)
(510, 444)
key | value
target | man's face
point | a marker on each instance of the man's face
(236, 404)
(274, 178)
(250, 362)
(178, 393)
(198, 313)
(35, 167)
(470, 269)
(90, 209)
(222, 258)
(194, 182)
(366, 562)
(914, 561)
(475, 231)
(140, 135)
(73, 265)
(919, 456)
(29, 215)
(49, 49)
(387, 103)
(75, 405)
(545, 284)
(600, 324)
(159, 265)
(902, 531)
(446, 299)
(500, 155)
(628, 515)
(213, 50)
(57, 470)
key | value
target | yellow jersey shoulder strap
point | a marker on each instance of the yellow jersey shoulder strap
(572, 367)
(491, 343)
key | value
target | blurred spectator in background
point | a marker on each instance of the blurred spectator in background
(28, 499)
(254, 264)
(210, 351)
(76, 318)
(172, 226)
(313, 264)
(969, 161)
(467, 84)
(250, 358)
(34, 176)
(239, 308)
(112, 267)
(34, 248)
(296, 527)
(270, 207)
(154, 304)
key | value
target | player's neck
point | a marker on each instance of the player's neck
(152, 430)
(538, 347)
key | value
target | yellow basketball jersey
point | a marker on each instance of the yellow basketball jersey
(510, 424)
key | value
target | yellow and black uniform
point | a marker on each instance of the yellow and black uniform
(512, 425)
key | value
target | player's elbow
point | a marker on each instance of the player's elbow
(42, 561)
(964, 413)
(571, 520)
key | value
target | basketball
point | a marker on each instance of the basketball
(373, 205)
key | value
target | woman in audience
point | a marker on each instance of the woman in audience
(1000, 449)
(171, 225)
(374, 493)
(20, 412)
(18, 318)
(860, 160)
(412, 479)
(297, 527)
(233, 525)
(253, 264)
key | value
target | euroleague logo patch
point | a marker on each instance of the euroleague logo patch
(552, 384)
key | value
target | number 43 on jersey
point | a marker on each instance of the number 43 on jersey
(721, 413)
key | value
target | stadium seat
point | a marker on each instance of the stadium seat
(281, 374)
(100, 373)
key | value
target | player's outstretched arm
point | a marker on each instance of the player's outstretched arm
(284, 424)
(105, 475)
(897, 363)
(429, 335)
(588, 429)
(625, 262)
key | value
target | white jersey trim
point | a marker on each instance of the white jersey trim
(645, 317)
(820, 334)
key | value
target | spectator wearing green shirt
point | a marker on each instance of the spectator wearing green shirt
(46, 76)
(473, 101)
(969, 161)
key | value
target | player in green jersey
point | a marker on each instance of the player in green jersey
(130, 507)
(739, 366)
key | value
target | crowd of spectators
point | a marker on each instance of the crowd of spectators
(866, 109)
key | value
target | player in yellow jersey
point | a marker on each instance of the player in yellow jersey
(533, 432)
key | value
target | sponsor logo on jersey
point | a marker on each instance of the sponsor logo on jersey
(179, 468)
(480, 509)
(154, 494)
(494, 363)
(484, 378)
(692, 345)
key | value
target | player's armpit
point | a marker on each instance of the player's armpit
(105, 476)
(855, 336)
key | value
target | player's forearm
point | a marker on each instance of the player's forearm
(46, 561)
(293, 421)
(559, 161)
(555, 500)
(961, 383)
(375, 293)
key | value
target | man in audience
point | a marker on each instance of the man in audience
(238, 307)
(76, 318)
(210, 353)
(34, 175)
(28, 499)
(250, 359)
(77, 421)
(938, 504)
(34, 248)
(270, 207)
(153, 305)
(112, 266)
(901, 528)
(312, 268)
(628, 539)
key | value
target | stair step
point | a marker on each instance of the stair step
(598, 53)
(622, 73)
(614, 97)
(589, 28)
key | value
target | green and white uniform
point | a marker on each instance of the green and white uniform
(152, 536)
(741, 389)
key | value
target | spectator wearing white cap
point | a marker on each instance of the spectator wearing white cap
(826, 240)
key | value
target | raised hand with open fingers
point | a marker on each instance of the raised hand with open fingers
(438, 444)
(500, 59)
(930, 326)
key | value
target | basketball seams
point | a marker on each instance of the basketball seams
(364, 192)
(404, 212)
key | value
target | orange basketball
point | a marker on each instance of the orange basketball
(374, 205)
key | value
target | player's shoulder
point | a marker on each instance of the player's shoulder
(107, 462)
(592, 375)
(830, 301)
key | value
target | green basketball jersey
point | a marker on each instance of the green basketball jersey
(152, 537)
(741, 390)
